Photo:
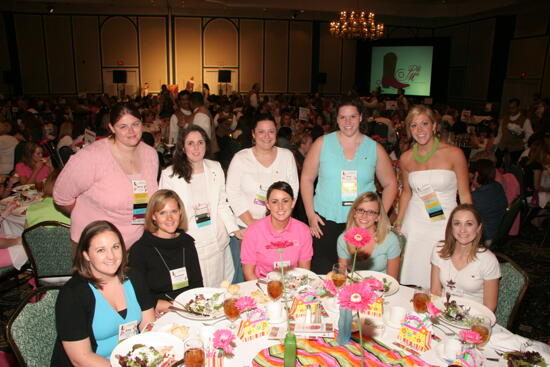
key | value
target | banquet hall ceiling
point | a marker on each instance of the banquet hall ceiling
(305, 9)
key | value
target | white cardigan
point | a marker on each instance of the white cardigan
(223, 220)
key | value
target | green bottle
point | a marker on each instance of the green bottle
(290, 350)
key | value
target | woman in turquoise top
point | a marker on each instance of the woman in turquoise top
(345, 163)
(383, 253)
(101, 304)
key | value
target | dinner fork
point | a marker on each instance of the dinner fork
(447, 332)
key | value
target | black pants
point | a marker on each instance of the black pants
(324, 248)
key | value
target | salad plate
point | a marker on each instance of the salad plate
(298, 279)
(462, 312)
(201, 304)
(390, 284)
(159, 349)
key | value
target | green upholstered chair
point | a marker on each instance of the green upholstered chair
(49, 248)
(31, 330)
(511, 290)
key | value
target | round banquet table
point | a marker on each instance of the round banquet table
(245, 352)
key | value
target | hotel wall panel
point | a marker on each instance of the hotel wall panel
(87, 55)
(32, 56)
(348, 65)
(301, 34)
(251, 41)
(59, 51)
(276, 56)
(220, 44)
(119, 43)
(479, 53)
(153, 52)
(527, 55)
(330, 62)
(187, 51)
(531, 24)
(5, 64)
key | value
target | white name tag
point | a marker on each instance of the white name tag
(281, 264)
(127, 330)
(179, 278)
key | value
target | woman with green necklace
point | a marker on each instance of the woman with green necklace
(432, 174)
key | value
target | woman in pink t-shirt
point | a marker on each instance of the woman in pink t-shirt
(259, 255)
(33, 167)
(110, 179)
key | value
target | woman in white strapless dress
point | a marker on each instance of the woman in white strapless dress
(432, 174)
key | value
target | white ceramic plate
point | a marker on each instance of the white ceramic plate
(313, 278)
(476, 309)
(189, 295)
(393, 283)
(151, 339)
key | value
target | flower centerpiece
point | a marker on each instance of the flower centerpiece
(223, 343)
(357, 237)
(245, 304)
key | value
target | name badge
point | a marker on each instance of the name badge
(281, 264)
(349, 187)
(202, 215)
(127, 330)
(140, 201)
(179, 278)
(431, 203)
(261, 196)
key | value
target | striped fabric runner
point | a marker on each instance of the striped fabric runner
(327, 353)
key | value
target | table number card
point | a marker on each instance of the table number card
(254, 325)
(416, 333)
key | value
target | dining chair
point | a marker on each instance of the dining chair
(31, 330)
(49, 248)
(506, 223)
(511, 290)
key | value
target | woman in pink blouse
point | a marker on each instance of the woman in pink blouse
(110, 179)
(259, 254)
(33, 167)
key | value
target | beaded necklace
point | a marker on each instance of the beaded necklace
(423, 158)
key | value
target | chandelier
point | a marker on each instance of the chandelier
(356, 25)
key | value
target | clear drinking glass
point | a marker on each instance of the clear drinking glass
(194, 353)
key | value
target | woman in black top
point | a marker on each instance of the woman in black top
(165, 254)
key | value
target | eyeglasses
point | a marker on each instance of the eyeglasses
(367, 212)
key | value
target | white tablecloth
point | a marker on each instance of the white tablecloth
(245, 352)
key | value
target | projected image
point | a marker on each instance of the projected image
(407, 67)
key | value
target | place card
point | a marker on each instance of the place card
(300, 305)
(253, 326)
(303, 331)
(416, 332)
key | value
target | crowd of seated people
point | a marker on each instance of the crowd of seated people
(151, 192)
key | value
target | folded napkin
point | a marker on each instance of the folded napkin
(18, 256)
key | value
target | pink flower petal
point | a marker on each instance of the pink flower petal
(358, 237)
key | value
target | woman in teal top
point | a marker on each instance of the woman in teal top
(383, 253)
(345, 163)
(101, 304)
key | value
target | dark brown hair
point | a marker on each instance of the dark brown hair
(181, 167)
(28, 151)
(81, 266)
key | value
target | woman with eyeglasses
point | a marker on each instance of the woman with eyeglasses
(383, 253)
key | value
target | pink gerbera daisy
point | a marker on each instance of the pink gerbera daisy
(223, 339)
(356, 296)
(279, 245)
(358, 237)
(470, 336)
(245, 303)
(330, 287)
(434, 311)
(374, 283)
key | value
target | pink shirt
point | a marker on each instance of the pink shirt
(102, 191)
(25, 171)
(260, 234)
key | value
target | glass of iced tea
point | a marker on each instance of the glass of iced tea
(275, 286)
(420, 300)
(231, 310)
(339, 275)
(194, 353)
(482, 325)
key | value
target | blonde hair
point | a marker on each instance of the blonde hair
(156, 203)
(382, 227)
(418, 110)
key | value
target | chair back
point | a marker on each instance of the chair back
(31, 329)
(49, 248)
(506, 223)
(511, 290)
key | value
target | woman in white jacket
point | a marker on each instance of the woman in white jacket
(200, 184)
